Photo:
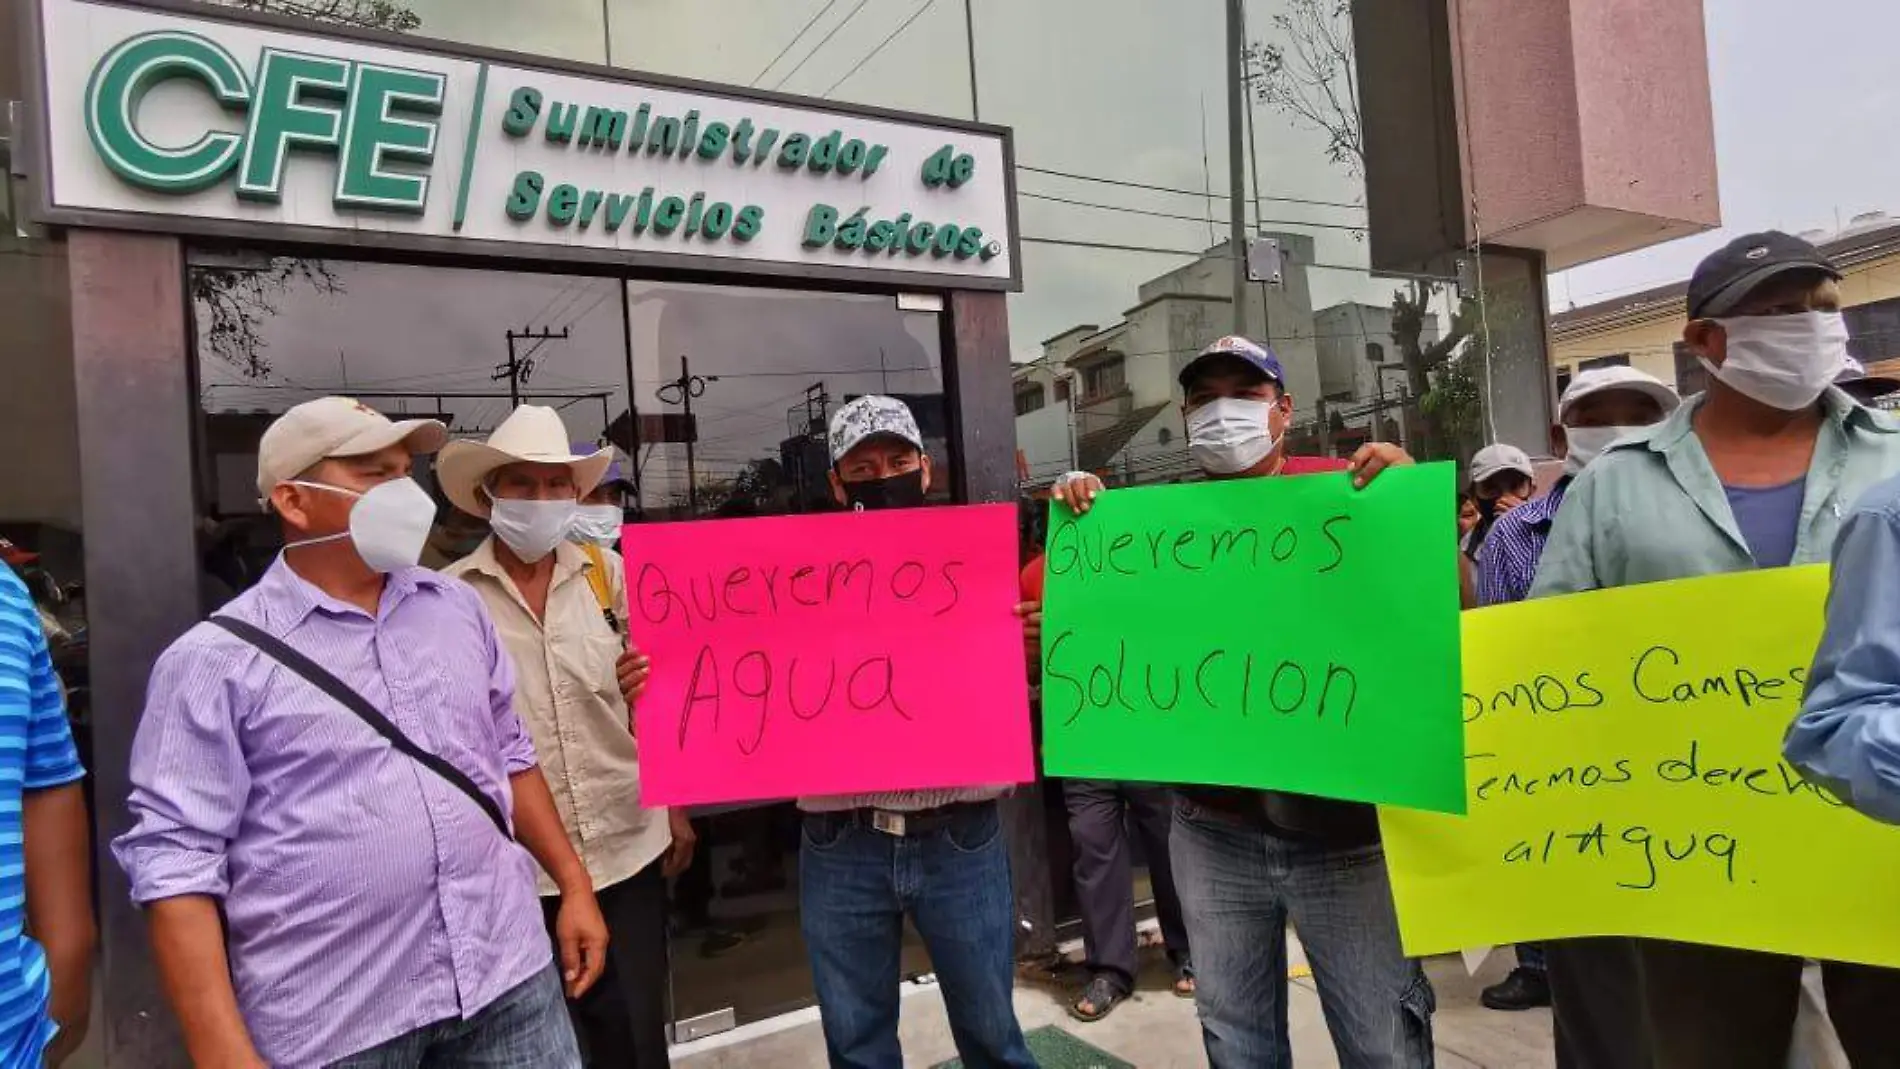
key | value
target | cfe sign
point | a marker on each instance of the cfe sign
(172, 117)
(364, 115)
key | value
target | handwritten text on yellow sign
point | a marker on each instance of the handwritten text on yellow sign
(1623, 762)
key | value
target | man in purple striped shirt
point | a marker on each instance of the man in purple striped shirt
(376, 915)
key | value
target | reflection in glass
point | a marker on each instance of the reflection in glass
(460, 346)
(762, 371)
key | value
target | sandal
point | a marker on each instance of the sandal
(1184, 981)
(1101, 996)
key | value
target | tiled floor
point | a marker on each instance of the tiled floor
(1158, 1031)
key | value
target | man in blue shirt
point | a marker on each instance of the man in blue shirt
(44, 851)
(1848, 734)
(1597, 408)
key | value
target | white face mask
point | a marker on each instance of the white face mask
(597, 524)
(531, 528)
(1784, 361)
(1584, 444)
(388, 524)
(1231, 434)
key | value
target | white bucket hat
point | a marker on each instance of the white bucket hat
(1603, 379)
(532, 434)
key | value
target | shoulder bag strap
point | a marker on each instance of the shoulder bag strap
(597, 578)
(281, 652)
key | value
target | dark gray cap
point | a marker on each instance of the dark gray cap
(1737, 269)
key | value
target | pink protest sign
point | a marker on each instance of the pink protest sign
(805, 655)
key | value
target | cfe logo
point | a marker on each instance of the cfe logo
(367, 115)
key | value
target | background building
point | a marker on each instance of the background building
(1644, 330)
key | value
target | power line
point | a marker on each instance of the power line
(854, 371)
(802, 30)
(915, 15)
(1183, 218)
(1110, 246)
(560, 296)
(1202, 193)
(780, 84)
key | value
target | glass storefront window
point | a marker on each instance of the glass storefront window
(1119, 109)
(1122, 153)
(762, 370)
(274, 331)
(1122, 178)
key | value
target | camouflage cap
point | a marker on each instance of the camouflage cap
(868, 417)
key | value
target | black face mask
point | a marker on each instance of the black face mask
(896, 492)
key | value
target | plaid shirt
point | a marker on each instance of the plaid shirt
(1507, 562)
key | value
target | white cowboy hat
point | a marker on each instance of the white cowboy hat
(531, 434)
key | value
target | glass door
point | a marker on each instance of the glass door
(735, 386)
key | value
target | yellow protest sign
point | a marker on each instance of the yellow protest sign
(1623, 763)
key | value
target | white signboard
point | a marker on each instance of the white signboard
(190, 122)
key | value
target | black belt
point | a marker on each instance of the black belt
(910, 822)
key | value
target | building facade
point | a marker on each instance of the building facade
(1644, 330)
(159, 308)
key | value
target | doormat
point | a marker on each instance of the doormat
(1054, 1048)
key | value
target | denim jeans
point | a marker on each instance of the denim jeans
(527, 1028)
(857, 884)
(1239, 888)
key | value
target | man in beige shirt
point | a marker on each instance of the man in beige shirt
(563, 623)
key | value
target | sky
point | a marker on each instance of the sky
(1805, 98)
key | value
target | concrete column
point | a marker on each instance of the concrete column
(131, 365)
(984, 416)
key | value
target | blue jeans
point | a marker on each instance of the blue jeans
(857, 884)
(527, 1028)
(1239, 888)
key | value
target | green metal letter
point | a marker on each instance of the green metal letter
(121, 80)
(282, 118)
(375, 135)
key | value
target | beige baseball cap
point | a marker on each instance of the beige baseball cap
(329, 427)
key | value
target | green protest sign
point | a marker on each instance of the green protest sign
(1287, 633)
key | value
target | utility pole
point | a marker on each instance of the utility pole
(1236, 163)
(518, 369)
(681, 391)
(969, 43)
(1253, 170)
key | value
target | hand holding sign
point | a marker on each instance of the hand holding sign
(829, 654)
(1215, 633)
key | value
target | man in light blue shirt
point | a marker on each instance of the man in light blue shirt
(1758, 472)
(1848, 734)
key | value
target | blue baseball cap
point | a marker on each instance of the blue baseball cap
(615, 473)
(1258, 356)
